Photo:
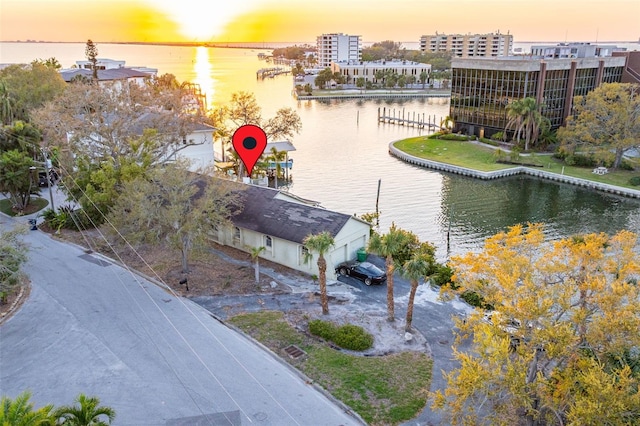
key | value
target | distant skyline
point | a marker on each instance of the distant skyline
(301, 21)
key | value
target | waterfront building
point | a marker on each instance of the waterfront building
(573, 50)
(113, 78)
(631, 73)
(353, 70)
(111, 64)
(481, 88)
(280, 221)
(469, 45)
(337, 47)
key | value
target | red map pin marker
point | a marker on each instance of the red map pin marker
(249, 141)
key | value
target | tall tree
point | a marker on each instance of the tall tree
(244, 109)
(524, 116)
(320, 243)
(16, 178)
(562, 311)
(91, 53)
(86, 412)
(22, 136)
(20, 412)
(30, 86)
(51, 62)
(396, 246)
(172, 204)
(606, 119)
(6, 104)
(421, 264)
(12, 257)
(104, 129)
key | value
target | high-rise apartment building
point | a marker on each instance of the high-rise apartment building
(469, 45)
(338, 47)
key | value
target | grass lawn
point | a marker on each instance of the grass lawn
(36, 204)
(480, 157)
(385, 390)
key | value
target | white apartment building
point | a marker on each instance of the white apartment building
(469, 45)
(338, 47)
(353, 70)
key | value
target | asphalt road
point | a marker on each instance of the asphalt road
(91, 326)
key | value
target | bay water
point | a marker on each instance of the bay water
(342, 154)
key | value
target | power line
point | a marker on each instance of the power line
(159, 308)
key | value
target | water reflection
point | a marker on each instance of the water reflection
(203, 71)
(475, 209)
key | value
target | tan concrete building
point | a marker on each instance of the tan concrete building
(469, 45)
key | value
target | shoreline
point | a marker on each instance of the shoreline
(514, 171)
(374, 95)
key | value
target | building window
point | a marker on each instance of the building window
(236, 235)
(304, 254)
(268, 243)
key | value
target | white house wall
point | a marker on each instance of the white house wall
(352, 237)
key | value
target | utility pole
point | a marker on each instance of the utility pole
(49, 184)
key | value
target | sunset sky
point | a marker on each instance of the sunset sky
(303, 20)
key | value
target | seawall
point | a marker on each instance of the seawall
(598, 186)
(373, 96)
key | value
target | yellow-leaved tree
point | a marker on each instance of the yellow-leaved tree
(561, 345)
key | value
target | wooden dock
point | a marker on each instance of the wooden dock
(402, 118)
(271, 72)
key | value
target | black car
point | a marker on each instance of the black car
(364, 271)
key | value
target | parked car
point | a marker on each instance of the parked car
(365, 271)
(42, 178)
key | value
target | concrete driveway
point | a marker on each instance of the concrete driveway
(91, 326)
(432, 317)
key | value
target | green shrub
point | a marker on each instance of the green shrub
(442, 276)
(324, 329)
(454, 137)
(353, 337)
(499, 155)
(474, 299)
(489, 141)
(581, 160)
(634, 181)
(498, 136)
(348, 336)
(626, 165)
(66, 218)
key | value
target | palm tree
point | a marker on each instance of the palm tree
(19, 412)
(524, 116)
(277, 157)
(515, 113)
(6, 104)
(533, 121)
(89, 413)
(446, 124)
(255, 256)
(420, 265)
(389, 245)
(424, 76)
(320, 243)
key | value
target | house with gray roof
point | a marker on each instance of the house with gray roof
(280, 221)
(113, 76)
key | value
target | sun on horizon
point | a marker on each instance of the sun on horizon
(202, 20)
